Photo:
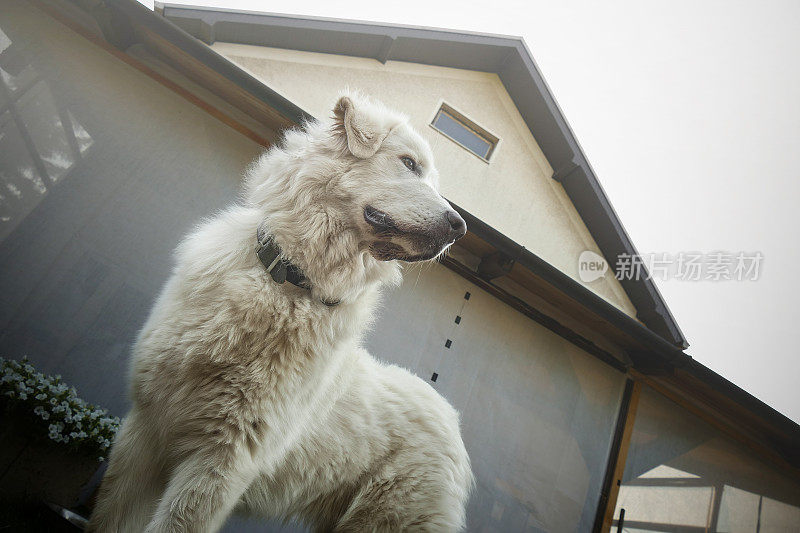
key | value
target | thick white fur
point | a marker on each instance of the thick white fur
(255, 395)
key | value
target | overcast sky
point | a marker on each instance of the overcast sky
(689, 113)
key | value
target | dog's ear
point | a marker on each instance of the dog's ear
(363, 132)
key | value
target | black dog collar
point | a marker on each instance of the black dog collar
(279, 268)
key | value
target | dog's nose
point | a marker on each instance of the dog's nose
(458, 228)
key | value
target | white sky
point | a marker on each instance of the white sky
(689, 113)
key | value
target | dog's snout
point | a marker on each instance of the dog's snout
(458, 228)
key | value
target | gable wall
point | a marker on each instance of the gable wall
(513, 192)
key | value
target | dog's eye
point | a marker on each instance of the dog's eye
(409, 163)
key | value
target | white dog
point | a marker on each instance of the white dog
(255, 394)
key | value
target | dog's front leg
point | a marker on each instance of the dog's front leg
(203, 490)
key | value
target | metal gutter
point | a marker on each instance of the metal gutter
(190, 45)
(666, 352)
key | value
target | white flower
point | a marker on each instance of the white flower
(84, 422)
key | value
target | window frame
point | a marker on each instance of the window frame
(471, 125)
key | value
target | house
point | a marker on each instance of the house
(120, 128)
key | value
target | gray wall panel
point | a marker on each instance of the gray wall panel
(537, 413)
(417, 346)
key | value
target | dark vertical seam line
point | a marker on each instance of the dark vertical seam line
(758, 523)
(715, 508)
(453, 326)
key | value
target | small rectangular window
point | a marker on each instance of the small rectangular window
(460, 129)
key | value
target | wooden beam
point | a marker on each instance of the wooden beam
(618, 457)
(495, 265)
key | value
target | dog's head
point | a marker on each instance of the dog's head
(391, 184)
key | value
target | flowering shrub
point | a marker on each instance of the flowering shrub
(57, 408)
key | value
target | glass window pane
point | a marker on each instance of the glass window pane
(681, 472)
(460, 133)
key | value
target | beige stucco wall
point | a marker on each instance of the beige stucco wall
(514, 192)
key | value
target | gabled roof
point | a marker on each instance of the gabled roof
(506, 56)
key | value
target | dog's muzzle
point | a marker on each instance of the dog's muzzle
(412, 243)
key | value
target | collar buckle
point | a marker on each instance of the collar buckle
(269, 253)
(280, 269)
